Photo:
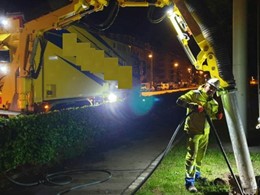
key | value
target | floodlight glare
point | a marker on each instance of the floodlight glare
(3, 68)
(112, 97)
(4, 21)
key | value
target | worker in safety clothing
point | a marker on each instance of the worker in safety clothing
(199, 101)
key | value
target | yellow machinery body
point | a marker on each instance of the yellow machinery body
(64, 72)
(39, 71)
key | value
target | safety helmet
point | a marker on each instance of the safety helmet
(214, 82)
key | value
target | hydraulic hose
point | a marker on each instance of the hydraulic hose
(153, 20)
(110, 19)
(109, 176)
(29, 184)
(223, 152)
(43, 43)
(165, 152)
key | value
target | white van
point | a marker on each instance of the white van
(144, 86)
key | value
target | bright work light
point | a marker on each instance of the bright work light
(3, 21)
(112, 97)
(3, 68)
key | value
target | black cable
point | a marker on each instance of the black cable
(51, 177)
(223, 152)
(19, 183)
(82, 185)
(165, 152)
(153, 20)
(110, 19)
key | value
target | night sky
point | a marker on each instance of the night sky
(129, 21)
(135, 22)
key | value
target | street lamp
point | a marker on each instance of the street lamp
(151, 71)
(176, 73)
(190, 75)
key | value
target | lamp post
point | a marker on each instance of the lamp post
(199, 77)
(190, 77)
(151, 70)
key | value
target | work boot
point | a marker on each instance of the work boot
(192, 189)
(189, 184)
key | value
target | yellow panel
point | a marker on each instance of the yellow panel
(68, 81)
(98, 65)
(81, 53)
(110, 68)
(88, 56)
(125, 77)
(69, 41)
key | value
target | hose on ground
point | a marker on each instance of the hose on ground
(56, 179)
(165, 152)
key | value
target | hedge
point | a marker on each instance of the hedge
(55, 136)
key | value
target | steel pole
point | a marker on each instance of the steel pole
(239, 142)
(240, 56)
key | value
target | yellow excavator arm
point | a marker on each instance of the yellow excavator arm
(54, 20)
(186, 28)
(29, 33)
(183, 22)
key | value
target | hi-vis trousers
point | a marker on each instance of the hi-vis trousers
(196, 149)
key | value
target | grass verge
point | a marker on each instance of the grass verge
(168, 178)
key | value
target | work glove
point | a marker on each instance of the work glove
(200, 108)
(219, 115)
(196, 107)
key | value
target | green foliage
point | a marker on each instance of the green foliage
(51, 137)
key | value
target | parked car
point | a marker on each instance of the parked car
(162, 86)
(158, 87)
(173, 86)
(144, 87)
